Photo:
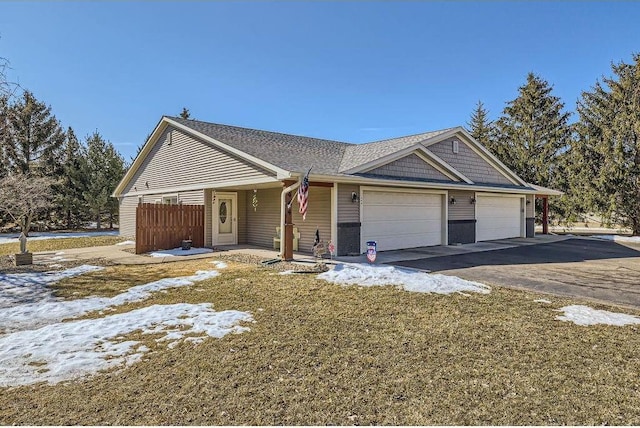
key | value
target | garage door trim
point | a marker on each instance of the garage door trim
(521, 220)
(443, 215)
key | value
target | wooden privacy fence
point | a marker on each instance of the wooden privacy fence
(162, 227)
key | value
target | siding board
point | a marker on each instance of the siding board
(178, 159)
(468, 162)
(348, 212)
(410, 166)
(463, 209)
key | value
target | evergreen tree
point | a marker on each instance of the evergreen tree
(533, 132)
(606, 155)
(69, 193)
(185, 113)
(481, 128)
(104, 169)
(32, 138)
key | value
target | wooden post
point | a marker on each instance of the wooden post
(545, 215)
(288, 225)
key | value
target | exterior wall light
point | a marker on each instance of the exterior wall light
(354, 197)
(452, 201)
(472, 201)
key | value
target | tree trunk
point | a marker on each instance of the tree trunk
(98, 221)
(110, 220)
(68, 219)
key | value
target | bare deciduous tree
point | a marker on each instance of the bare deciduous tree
(23, 198)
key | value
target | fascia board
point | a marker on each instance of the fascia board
(444, 165)
(280, 173)
(415, 184)
(137, 162)
(155, 135)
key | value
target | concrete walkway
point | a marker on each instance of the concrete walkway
(117, 254)
(394, 256)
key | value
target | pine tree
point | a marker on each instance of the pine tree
(533, 132)
(481, 128)
(69, 193)
(32, 138)
(104, 169)
(607, 151)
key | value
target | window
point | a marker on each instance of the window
(170, 200)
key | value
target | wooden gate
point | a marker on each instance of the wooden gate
(162, 227)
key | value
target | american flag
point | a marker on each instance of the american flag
(303, 195)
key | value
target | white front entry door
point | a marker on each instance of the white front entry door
(225, 219)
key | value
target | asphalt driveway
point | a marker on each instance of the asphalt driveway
(588, 268)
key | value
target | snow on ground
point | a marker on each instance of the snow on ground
(584, 315)
(36, 307)
(421, 282)
(543, 301)
(126, 243)
(180, 252)
(618, 238)
(37, 236)
(219, 265)
(21, 288)
(65, 351)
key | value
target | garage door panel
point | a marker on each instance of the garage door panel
(498, 217)
(401, 219)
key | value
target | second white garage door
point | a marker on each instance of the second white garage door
(498, 217)
(401, 219)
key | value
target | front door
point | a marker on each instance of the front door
(225, 224)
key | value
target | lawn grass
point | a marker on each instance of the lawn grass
(35, 246)
(320, 353)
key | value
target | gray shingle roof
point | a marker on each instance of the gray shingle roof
(360, 154)
(297, 153)
(290, 152)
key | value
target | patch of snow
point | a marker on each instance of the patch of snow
(219, 265)
(71, 350)
(618, 238)
(409, 280)
(584, 315)
(286, 272)
(126, 243)
(542, 301)
(6, 238)
(20, 288)
(39, 307)
(180, 252)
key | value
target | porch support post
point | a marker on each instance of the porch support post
(286, 220)
(545, 215)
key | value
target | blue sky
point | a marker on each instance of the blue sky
(349, 71)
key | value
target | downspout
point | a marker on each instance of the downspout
(283, 207)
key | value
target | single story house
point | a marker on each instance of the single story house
(434, 188)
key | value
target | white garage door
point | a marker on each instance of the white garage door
(401, 219)
(497, 217)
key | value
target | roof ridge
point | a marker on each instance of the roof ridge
(261, 130)
(413, 135)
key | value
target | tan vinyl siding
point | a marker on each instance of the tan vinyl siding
(128, 216)
(410, 166)
(348, 212)
(318, 216)
(208, 219)
(531, 206)
(262, 223)
(178, 159)
(195, 197)
(468, 162)
(463, 209)
(245, 197)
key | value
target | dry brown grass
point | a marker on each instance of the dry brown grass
(321, 354)
(35, 246)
